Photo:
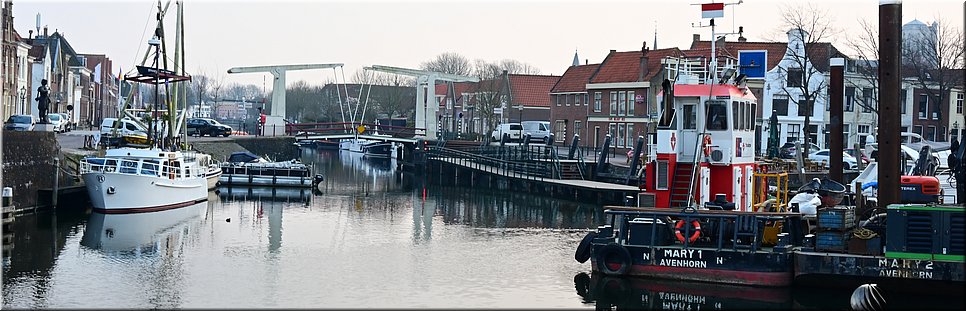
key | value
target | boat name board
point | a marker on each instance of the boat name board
(905, 268)
(688, 258)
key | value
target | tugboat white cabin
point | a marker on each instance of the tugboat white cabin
(704, 147)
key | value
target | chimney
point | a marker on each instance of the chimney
(695, 37)
(643, 66)
(742, 39)
(30, 34)
(586, 61)
(720, 43)
(613, 51)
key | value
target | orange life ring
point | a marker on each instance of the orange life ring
(694, 236)
(707, 145)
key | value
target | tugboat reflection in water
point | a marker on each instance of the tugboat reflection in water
(652, 294)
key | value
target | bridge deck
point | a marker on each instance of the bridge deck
(586, 184)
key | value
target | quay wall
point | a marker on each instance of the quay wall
(276, 148)
(28, 165)
(279, 148)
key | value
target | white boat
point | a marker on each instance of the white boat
(380, 149)
(246, 169)
(132, 180)
(212, 170)
(353, 144)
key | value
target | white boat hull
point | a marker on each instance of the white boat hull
(212, 178)
(114, 193)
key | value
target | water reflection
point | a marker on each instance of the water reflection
(350, 173)
(374, 237)
(608, 292)
(278, 194)
(141, 234)
(493, 208)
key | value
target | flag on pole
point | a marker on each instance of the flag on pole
(712, 10)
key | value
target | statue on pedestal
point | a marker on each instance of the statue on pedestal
(43, 100)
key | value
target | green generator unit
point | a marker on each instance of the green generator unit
(925, 232)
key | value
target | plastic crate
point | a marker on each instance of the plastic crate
(836, 218)
(832, 241)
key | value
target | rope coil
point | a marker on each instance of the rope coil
(864, 234)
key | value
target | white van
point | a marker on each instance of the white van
(513, 130)
(538, 130)
(129, 128)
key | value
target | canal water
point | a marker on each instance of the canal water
(372, 237)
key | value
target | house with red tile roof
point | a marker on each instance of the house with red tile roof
(622, 95)
(570, 103)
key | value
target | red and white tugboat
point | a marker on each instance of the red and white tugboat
(702, 227)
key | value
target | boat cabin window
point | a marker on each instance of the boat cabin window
(129, 167)
(737, 110)
(717, 116)
(149, 167)
(690, 117)
(750, 114)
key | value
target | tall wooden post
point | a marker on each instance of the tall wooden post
(890, 44)
(835, 88)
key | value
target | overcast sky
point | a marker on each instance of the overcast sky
(225, 34)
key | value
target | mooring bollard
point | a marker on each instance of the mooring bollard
(7, 196)
(53, 195)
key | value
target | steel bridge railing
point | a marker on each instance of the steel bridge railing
(515, 161)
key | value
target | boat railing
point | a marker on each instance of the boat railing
(277, 171)
(142, 167)
(747, 227)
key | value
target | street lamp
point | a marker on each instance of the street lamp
(23, 100)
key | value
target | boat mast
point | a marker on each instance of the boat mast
(173, 100)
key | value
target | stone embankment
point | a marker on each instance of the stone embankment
(275, 148)
(28, 165)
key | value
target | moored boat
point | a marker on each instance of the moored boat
(730, 247)
(381, 149)
(132, 180)
(212, 170)
(247, 169)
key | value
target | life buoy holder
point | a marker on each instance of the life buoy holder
(680, 235)
(707, 145)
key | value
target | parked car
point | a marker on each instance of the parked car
(68, 122)
(57, 121)
(538, 130)
(849, 162)
(127, 128)
(513, 132)
(20, 122)
(787, 151)
(205, 126)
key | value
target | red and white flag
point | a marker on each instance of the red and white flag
(712, 10)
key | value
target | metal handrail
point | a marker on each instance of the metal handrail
(141, 167)
(519, 169)
(689, 214)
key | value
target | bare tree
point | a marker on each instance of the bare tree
(516, 67)
(200, 83)
(934, 59)
(865, 65)
(448, 62)
(810, 26)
